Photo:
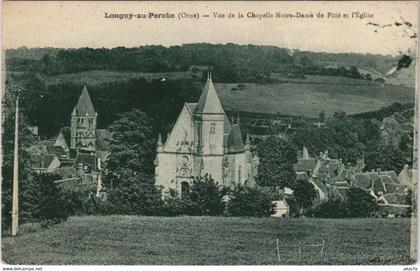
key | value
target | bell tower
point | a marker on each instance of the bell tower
(209, 118)
(83, 124)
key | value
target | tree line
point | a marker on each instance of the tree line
(231, 62)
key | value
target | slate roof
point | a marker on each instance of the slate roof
(209, 102)
(392, 175)
(305, 164)
(302, 176)
(56, 150)
(395, 198)
(321, 186)
(362, 180)
(235, 143)
(38, 161)
(84, 105)
(378, 186)
(86, 160)
(394, 188)
(67, 172)
(66, 134)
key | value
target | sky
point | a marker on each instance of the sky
(83, 24)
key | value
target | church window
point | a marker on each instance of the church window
(239, 174)
(212, 128)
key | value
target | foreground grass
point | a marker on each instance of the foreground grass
(211, 240)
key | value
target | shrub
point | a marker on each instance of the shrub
(360, 203)
(133, 196)
(43, 200)
(247, 201)
(204, 198)
(333, 208)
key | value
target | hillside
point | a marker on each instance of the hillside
(308, 97)
(133, 240)
(300, 97)
(231, 62)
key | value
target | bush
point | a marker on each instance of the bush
(133, 196)
(360, 203)
(42, 200)
(247, 201)
(204, 198)
(333, 208)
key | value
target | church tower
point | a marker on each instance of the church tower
(83, 124)
(209, 120)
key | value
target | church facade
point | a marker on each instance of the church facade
(204, 143)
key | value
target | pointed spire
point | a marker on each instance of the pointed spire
(209, 102)
(247, 141)
(305, 153)
(84, 105)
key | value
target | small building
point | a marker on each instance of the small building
(44, 163)
(281, 209)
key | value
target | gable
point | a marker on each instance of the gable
(182, 132)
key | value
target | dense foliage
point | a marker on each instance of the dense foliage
(357, 203)
(231, 62)
(247, 201)
(42, 200)
(277, 157)
(162, 100)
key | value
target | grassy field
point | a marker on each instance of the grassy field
(308, 98)
(304, 97)
(132, 240)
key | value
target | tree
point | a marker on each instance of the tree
(129, 182)
(250, 201)
(7, 141)
(134, 196)
(206, 197)
(132, 148)
(303, 193)
(332, 208)
(277, 157)
(42, 200)
(322, 115)
(385, 157)
(360, 203)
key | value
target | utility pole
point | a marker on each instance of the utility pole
(15, 203)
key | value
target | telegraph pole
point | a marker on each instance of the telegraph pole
(15, 203)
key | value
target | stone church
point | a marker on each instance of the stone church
(82, 145)
(204, 142)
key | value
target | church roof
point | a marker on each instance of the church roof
(66, 132)
(235, 143)
(84, 105)
(209, 102)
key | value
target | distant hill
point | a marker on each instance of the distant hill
(231, 62)
(300, 97)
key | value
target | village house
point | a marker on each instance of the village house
(78, 150)
(204, 142)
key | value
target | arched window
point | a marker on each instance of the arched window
(213, 128)
(239, 174)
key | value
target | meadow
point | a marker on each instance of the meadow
(299, 97)
(135, 240)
